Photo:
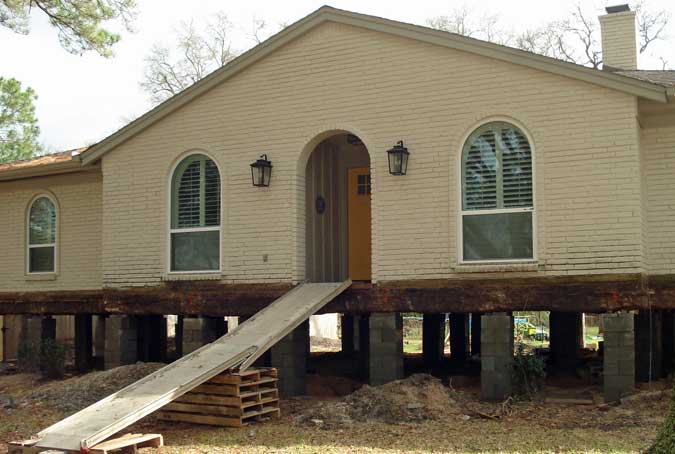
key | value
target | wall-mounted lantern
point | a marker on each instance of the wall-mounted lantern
(261, 171)
(398, 159)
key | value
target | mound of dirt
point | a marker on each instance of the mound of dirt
(74, 394)
(417, 398)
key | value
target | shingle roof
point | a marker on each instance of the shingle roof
(665, 78)
(52, 158)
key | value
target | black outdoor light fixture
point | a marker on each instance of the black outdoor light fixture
(398, 159)
(261, 171)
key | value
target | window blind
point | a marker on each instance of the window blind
(197, 195)
(480, 173)
(517, 169)
(497, 170)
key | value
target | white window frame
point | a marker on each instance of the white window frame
(460, 197)
(171, 230)
(36, 246)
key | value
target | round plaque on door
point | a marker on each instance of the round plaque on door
(320, 204)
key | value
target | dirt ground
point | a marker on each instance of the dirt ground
(418, 414)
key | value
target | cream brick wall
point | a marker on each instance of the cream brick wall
(79, 231)
(619, 41)
(384, 89)
(658, 147)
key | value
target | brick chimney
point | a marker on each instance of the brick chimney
(619, 40)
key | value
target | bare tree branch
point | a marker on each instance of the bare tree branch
(199, 53)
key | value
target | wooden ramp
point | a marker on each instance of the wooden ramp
(241, 347)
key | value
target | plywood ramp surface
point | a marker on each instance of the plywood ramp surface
(241, 348)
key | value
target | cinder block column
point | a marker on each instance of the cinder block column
(668, 337)
(84, 351)
(290, 356)
(648, 345)
(475, 334)
(121, 340)
(619, 355)
(31, 331)
(199, 331)
(496, 356)
(385, 348)
(566, 338)
(459, 337)
(433, 339)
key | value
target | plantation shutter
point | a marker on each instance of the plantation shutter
(517, 169)
(196, 194)
(211, 194)
(480, 169)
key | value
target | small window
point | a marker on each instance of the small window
(497, 197)
(42, 236)
(195, 215)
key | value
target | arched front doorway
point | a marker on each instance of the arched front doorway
(338, 210)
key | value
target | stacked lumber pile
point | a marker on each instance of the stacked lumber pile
(231, 399)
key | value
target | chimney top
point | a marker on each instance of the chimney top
(617, 9)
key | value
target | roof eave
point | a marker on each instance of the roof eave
(508, 54)
(207, 83)
(73, 165)
(625, 84)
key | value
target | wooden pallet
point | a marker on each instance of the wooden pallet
(129, 443)
(231, 399)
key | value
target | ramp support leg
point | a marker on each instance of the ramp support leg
(496, 356)
(290, 356)
(385, 348)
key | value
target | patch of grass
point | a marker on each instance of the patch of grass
(412, 345)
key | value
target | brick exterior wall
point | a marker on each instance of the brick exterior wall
(590, 217)
(340, 77)
(658, 150)
(78, 196)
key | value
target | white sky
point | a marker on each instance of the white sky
(82, 99)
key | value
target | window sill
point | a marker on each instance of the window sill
(506, 267)
(207, 276)
(41, 277)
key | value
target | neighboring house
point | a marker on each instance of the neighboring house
(530, 183)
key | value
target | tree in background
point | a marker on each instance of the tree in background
(197, 54)
(18, 126)
(79, 22)
(194, 54)
(575, 39)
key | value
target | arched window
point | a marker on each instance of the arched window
(497, 200)
(42, 236)
(195, 215)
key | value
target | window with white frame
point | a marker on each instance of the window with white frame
(195, 215)
(42, 236)
(497, 197)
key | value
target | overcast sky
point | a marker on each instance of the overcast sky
(82, 99)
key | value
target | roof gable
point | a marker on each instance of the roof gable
(640, 88)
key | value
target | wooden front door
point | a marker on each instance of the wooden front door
(358, 215)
